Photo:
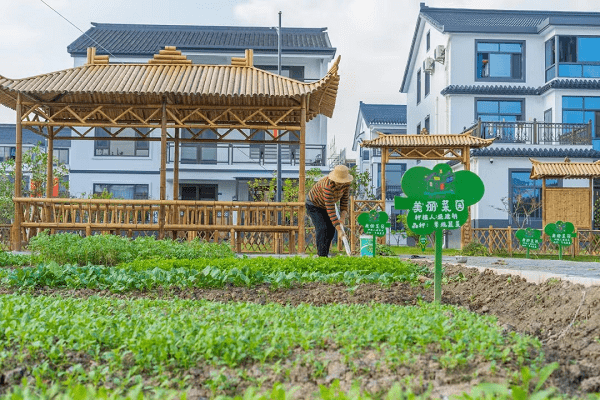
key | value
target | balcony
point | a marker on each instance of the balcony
(534, 132)
(228, 154)
(390, 192)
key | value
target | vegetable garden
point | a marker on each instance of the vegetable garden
(113, 318)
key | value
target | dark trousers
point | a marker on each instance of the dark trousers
(324, 229)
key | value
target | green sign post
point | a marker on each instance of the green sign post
(561, 233)
(438, 199)
(374, 223)
(423, 243)
(529, 239)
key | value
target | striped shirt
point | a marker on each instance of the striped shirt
(325, 193)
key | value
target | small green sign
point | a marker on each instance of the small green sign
(561, 233)
(438, 199)
(529, 238)
(374, 223)
(423, 242)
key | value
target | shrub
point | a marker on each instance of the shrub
(475, 249)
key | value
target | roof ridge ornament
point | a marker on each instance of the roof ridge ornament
(246, 61)
(93, 59)
(169, 55)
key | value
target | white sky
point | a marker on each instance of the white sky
(372, 36)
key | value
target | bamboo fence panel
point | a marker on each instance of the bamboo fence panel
(248, 226)
(569, 204)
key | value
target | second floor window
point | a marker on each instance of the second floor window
(121, 148)
(199, 153)
(122, 191)
(500, 110)
(499, 60)
(418, 86)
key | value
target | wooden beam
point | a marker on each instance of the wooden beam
(302, 177)
(383, 182)
(163, 171)
(592, 202)
(544, 203)
(49, 178)
(18, 175)
(176, 165)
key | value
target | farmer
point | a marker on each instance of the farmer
(320, 205)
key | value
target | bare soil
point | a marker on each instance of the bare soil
(563, 315)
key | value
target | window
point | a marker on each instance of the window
(7, 153)
(500, 61)
(120, 191)
(365, 154)
(499, 110)
(428, 40)
(393, 174)
(199, 153)
(548, 115)
(62, 155)
(418, 86)
(257, 151)
(580, 110)
(526, 194)
(122, 148)
(578, 57)
(427, 83)
(418, 128)
(294, 72)
(427, 124)
(199, 192)
(503, 113)
(550, 59)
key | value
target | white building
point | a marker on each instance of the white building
(530, 77)
(207, 172)
(386, 119)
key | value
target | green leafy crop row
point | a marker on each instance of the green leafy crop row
(145, 336)
(69, 248)
(212, 273)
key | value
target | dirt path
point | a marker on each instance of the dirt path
(564, 316)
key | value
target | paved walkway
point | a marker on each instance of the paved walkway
(534, 270)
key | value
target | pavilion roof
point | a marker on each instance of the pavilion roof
(422, 141)
(170, 75)
(564, 170)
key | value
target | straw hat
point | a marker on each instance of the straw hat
(340, 174)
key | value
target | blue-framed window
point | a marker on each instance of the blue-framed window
(577, 56)
(492, 110)
(580, 109)
(526, 194)
(500, 61)
(393, 174)
(121, 148)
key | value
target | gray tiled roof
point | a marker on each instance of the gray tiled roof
(505, 21)
(507, 90)
(383, 113)
(133, 39)
(535, 152)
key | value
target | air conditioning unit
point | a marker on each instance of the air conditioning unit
(429, 65)
(439, 53)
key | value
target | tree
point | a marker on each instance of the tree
(34, 166)
(520, 210)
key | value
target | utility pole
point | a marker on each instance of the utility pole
(279, 183)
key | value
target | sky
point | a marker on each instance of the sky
(372, 36)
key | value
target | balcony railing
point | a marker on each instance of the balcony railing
(228, 154)
(390, 191)
(534, 132)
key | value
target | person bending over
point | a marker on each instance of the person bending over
(320, 206)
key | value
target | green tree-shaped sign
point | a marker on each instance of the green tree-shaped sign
(374, 223)
(438, 199)
(561, 233)
(529, 238)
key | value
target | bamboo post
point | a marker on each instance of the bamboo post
(384, 160)
(490, 239)
(543, 202)
(176, 214)
(509, 240)
(592, 203)
(163, 171)
(466, 228)
(352, 226)
(18, 175)
(301, 177)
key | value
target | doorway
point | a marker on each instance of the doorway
(198, 192)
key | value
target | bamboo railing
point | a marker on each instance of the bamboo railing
(503, 240)
(248, 226)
